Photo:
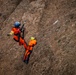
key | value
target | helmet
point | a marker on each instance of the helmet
(32, 38)
(17, 24)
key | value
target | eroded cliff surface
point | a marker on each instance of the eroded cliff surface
(53, 23)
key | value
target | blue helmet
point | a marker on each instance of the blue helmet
(17, 24)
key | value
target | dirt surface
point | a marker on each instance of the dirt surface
(53, 23)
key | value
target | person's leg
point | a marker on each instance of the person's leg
(30, 51)
(27, 56)
(16, 38)
(22, 42)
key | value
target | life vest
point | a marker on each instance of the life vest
(17, 33)
(28, 51)
(32, 43)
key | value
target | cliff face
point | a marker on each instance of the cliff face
(53, 23)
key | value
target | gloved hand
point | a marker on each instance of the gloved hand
(8, 34)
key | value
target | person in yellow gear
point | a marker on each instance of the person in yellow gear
(28, 51)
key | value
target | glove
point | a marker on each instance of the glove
(8, 34)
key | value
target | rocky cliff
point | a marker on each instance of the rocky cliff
(53, 23)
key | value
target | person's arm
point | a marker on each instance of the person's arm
(11, 33)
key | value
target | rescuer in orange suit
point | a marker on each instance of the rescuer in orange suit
(28, 51)
(16, 31)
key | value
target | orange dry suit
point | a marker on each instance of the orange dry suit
(17, 36)
(28, 51)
